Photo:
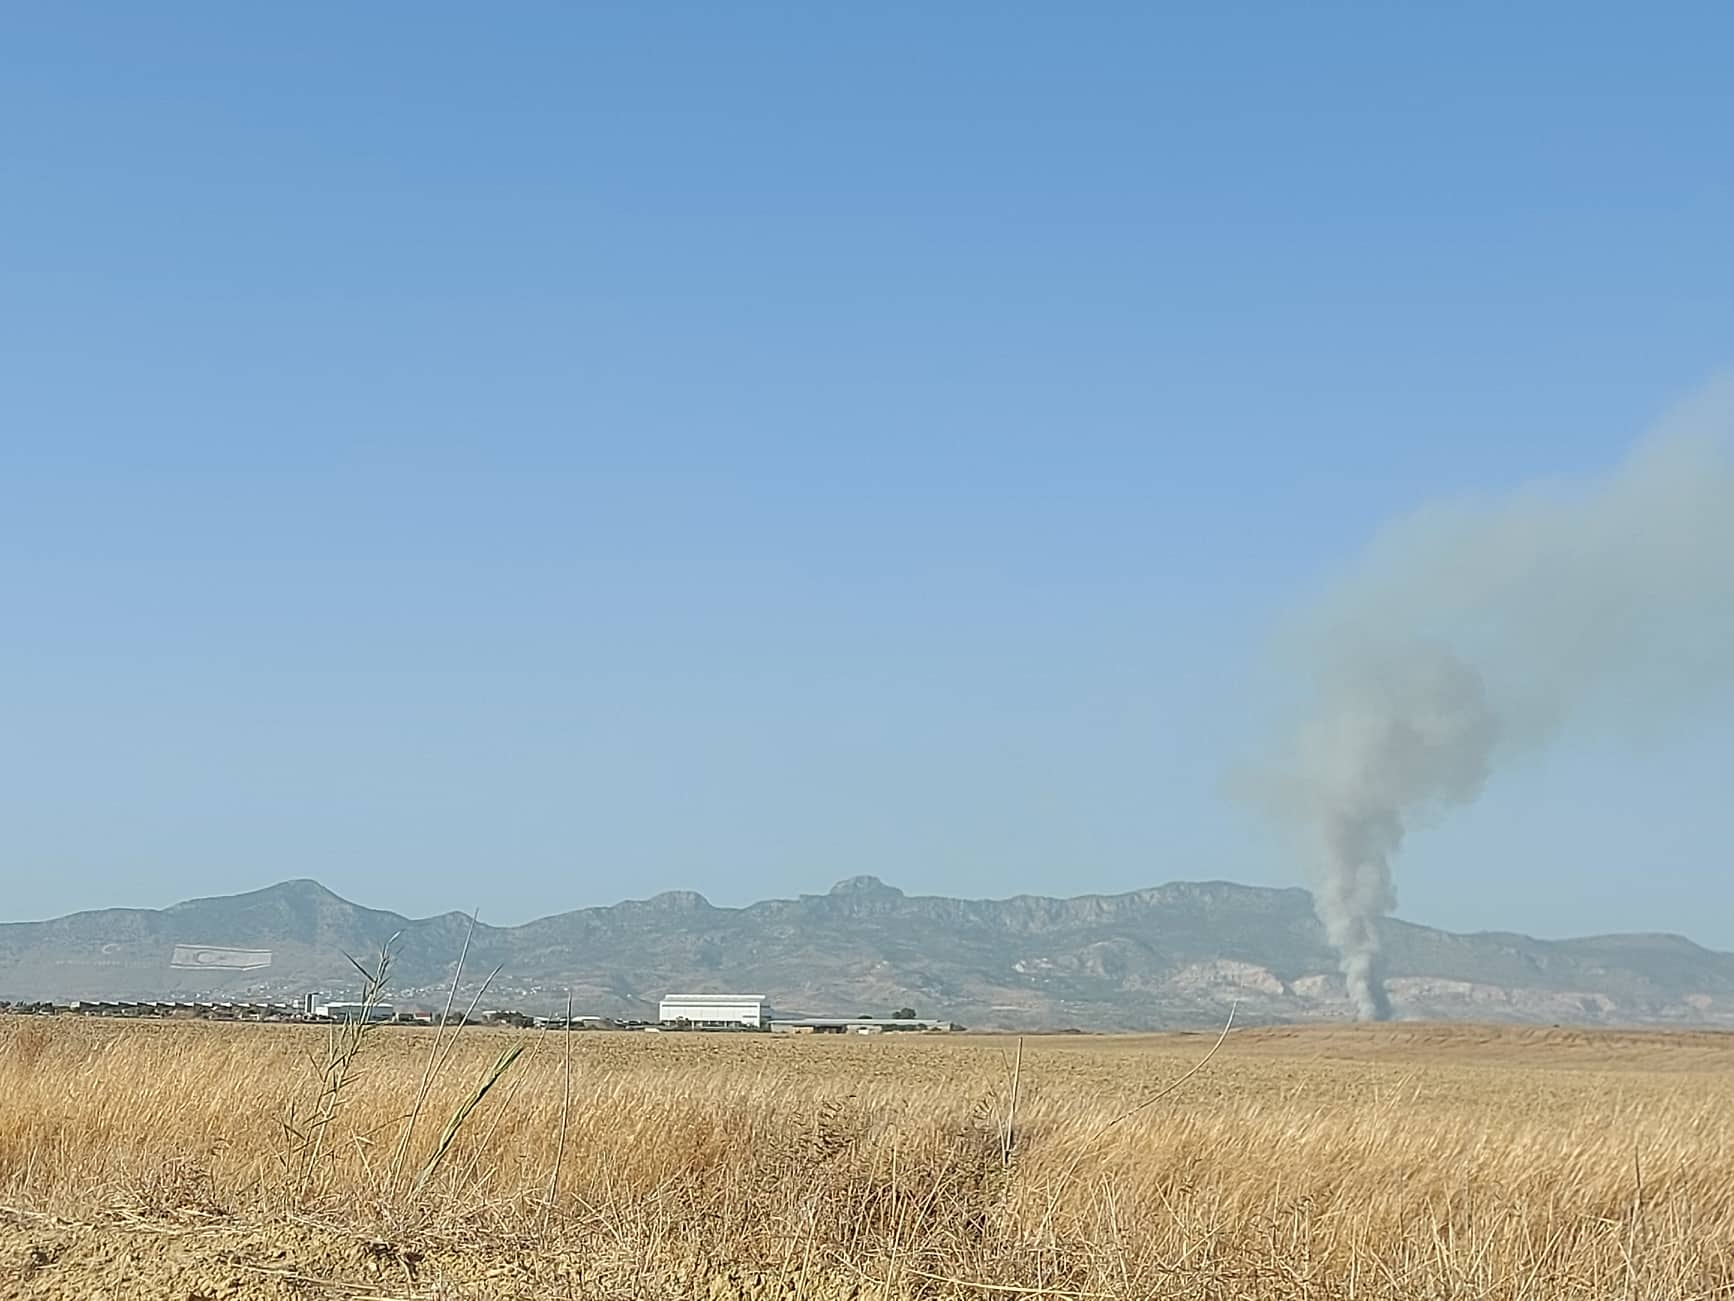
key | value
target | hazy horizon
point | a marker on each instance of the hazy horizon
(537, 464)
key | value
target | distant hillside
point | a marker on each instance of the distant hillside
(1171, 955)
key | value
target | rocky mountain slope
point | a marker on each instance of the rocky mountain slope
(1172, 955)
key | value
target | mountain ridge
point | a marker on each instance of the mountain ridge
(1174, 954)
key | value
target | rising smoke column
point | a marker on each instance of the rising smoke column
(1394, 735)
(1472, 631)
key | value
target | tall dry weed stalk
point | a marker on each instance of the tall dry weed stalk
(306, 1152)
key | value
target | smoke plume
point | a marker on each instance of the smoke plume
(1475, 630)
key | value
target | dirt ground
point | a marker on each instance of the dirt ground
(49, 1260)
(43, 1259)
(119, 1261)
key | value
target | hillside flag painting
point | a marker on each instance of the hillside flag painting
(195, 957)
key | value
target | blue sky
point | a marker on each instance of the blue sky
(535, 459)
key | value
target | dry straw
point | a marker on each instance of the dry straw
(1397, 1164)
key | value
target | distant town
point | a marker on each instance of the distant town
(713, 1012)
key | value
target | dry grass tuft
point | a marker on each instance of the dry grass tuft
(1369, 1164)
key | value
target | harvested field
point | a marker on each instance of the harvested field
(160, 1160)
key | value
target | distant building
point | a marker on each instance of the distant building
(205, 1010)
(717, 1011)
(352, 1012)
(858, 1025)
(559, 1022)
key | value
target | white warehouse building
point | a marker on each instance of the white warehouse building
(749, 1010)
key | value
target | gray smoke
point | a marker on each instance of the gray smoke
(1474, 630)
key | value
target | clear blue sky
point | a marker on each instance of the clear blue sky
(530, 457)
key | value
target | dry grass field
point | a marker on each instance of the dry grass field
(184, 1161)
